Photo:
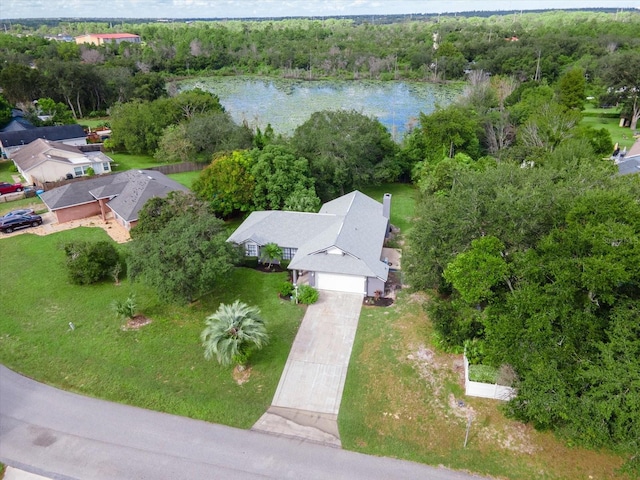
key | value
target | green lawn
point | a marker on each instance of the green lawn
(94, 122)
(403, 200)
(6, 171)
(620, 135)
(185, 178)
(128, 161)
(161, 366)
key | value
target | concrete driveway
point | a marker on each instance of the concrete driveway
(307, 400)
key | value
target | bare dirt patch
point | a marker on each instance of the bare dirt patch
(136, 323)
(241, 374)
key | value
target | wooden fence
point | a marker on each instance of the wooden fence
(178, 167)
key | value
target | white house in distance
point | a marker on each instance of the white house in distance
(45, 161)
(340, 247)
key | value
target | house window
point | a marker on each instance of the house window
(78, 172)
(251, 250)
(105, 167)
(288, 253)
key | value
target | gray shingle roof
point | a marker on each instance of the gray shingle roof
(128, 191)
(631, 161)
(630, 165)
(56, 133)
(352, 223)
(40, 151)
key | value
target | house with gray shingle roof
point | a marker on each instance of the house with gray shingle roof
(630, 162)
(45, 161)
(68, 134)
(340, 247)
(120, 196)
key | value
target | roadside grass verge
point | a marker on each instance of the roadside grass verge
(161, 366)
(401, 399)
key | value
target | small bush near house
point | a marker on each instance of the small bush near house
(88, 262)
(307, 294)
(286, 289)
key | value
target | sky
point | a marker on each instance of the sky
(14, 9)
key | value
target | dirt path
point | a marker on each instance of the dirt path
(51, 225)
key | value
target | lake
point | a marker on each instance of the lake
(285, 104)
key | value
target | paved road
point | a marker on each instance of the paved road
(66, 436)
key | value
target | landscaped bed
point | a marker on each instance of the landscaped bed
(159, 365)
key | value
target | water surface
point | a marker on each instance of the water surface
(285, 104)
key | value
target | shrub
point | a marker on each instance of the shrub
(88, 262)
(453, 321)
(483, 373)
(286, 289)
(307, 294)
(125, 308)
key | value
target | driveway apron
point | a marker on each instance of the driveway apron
(307, 400)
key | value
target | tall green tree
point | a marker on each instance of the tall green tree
(343, 148)
(227, 183)
(232, 331)
(571, 89)
(280, 178)
(621, 75)
(215, 131)
(183, 258)
(448, 131)
(5, 112)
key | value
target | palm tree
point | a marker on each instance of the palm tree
(232, 331)
(271, 252)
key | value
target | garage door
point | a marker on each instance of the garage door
(340, 283)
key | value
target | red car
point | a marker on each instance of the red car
(10, 188)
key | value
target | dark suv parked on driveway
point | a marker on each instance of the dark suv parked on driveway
(14, 222)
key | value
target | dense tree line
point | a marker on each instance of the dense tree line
(91, 79)
(531, 246)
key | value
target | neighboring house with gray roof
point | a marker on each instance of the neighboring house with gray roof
(120, 196)
(340, 247)
(630, 162)
(67, 134)
(45, 161)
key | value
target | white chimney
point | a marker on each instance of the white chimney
(386, 206)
